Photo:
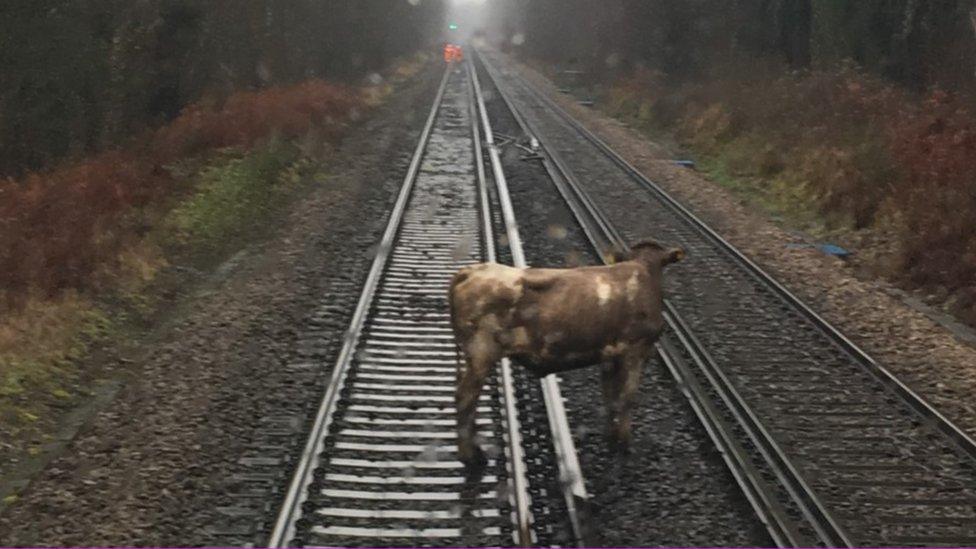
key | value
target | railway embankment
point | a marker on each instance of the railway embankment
(169, 376)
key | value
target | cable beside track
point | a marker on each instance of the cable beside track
(828, 446)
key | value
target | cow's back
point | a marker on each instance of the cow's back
(564, 317)
(484, 293)
(577, 310)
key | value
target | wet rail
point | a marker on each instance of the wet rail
(828, 446)
(380, 466)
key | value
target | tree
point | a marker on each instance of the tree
(79, 75)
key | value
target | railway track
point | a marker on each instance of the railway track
(829, 448)
(380, 465)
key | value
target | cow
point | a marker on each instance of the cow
(554, 320)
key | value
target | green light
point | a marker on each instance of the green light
(453, 27)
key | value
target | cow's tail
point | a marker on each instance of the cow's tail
(459, 277)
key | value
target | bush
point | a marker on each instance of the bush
(248, 117)
(65, 228)
(864, 152)
(233, 195)
(58, 228)
(935, 149)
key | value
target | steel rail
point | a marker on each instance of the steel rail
(823, 521)
(378, 372)
(284, 528)
(516, 462)
(570, 472)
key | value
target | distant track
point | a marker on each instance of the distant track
(827, 445)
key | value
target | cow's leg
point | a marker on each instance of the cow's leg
(481, 352)
(628, 381)
(609, 380)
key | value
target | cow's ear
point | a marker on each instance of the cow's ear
(673, 255)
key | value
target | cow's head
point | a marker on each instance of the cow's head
(650, 252)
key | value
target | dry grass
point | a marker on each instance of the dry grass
(37, 348)
(104, 226)
(76, 227)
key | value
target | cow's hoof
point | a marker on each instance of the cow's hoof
(618, 446)
(623, 451)
(475, 464)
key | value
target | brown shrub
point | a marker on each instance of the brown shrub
(59, 229)
(935, 150)
(866, 150)
(56, 228)
(248, 117)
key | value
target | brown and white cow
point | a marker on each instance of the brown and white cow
(552, 320)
